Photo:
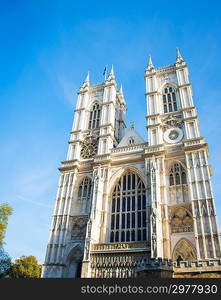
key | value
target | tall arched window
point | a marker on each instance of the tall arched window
(94, 118)
(84, 194)
(178, 188)
(169, 99)
(128, 215)
(177, 175)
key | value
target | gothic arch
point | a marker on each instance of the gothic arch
(175, 161)
(92, 102)
(83, 193)
(116, 176)
(183, 208)
(169, 93)
(127, 208)
(166, 83)
(74, 262)
(184, 250)
(177, 182)
(79, 180)
(94, 115)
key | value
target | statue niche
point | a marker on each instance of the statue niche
(79, 228)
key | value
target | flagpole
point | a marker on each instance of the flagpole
(105, 73)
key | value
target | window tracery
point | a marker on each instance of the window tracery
(94, 117)
(128, 215)
(169, 99)
(84, 194)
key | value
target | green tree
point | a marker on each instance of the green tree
(25, 267)
(5, 212)
(5, 263)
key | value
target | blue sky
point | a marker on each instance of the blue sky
(46, 49)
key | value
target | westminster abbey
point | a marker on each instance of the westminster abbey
(127, 207)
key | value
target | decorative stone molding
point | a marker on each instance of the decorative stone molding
(184, 251)
(181, 221)
(172, 121)
(79, 227)
(120, 246)
(89, 146)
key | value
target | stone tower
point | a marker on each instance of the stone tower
(122, 202)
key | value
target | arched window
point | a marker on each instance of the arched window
(84, 194)
(131, 141)
(94, 118)
(128, 211)
(177, 175)
(169, 99)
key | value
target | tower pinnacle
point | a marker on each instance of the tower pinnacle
(150, 65)
(121, 90)
(87, 79)
(112, 72)
(179, 58)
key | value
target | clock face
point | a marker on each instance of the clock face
(173, 135)
(89, 147)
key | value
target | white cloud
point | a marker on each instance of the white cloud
(34, 202)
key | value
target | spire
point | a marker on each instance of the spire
(86, 82)
(178, 53)
(112, 71)
(121, 90)
(87, 79)
(179, 58)
(150, 66)
(150, 63)
(111, 75)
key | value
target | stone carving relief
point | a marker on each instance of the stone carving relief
(125, 265)
(172, 121)
(79, 227)
(181, 221)
(76, 254)
(184, 251)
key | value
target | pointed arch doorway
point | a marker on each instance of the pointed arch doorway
(74, 263)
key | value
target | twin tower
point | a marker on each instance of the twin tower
(124, 205)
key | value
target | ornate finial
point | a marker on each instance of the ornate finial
(121, 89)
(87, 79)
(132, 124)
(178, 53)
(150, 64)
(112, 70)
(179, 58)
(86, 82)
(111, 75)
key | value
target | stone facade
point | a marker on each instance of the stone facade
(126, 207)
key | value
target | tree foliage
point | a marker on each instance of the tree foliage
(25, 267)
(5, 212)
(5, 263)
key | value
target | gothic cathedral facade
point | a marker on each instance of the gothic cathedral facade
(123, 201)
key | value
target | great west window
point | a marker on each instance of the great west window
(128, 215)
